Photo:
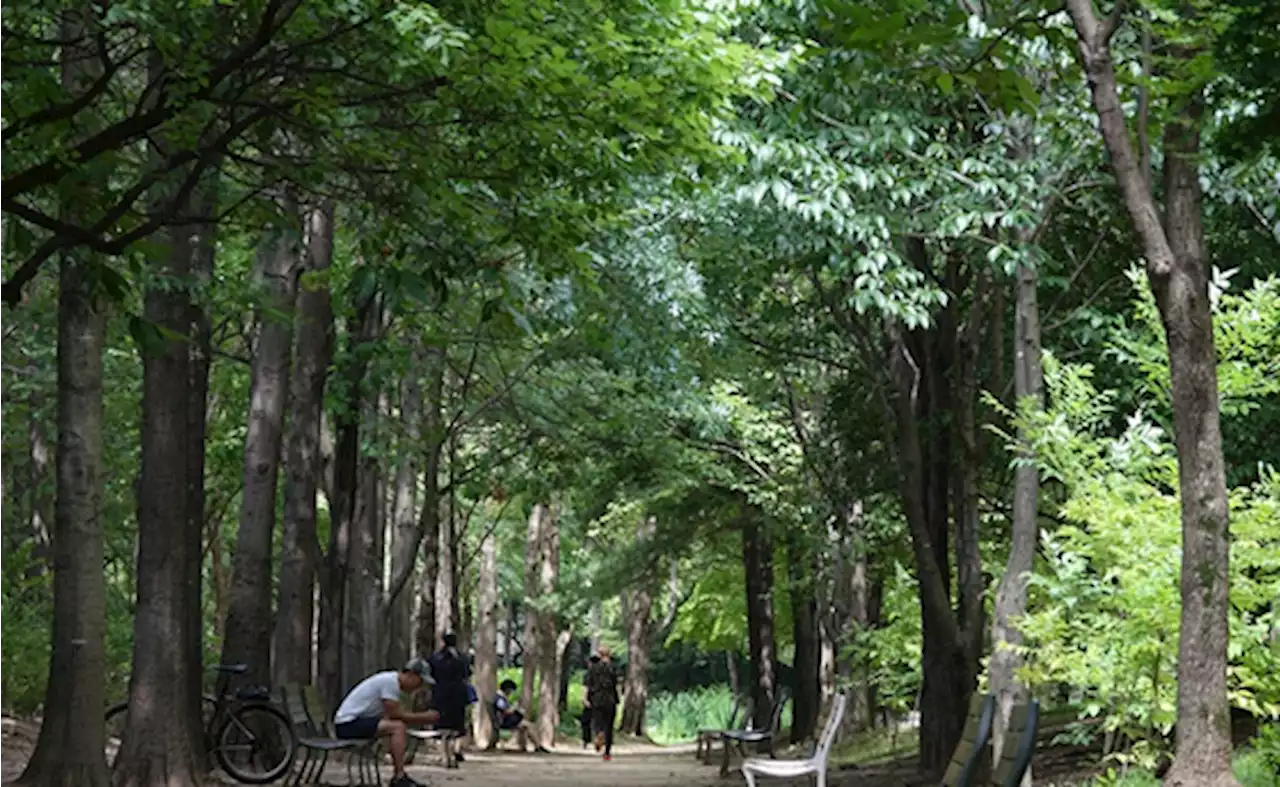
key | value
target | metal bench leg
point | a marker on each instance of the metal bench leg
(724, 763)
(317, 770)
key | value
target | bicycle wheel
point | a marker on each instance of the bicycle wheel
(116, 719)
(255, 744)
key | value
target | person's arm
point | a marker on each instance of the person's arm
(392, 709)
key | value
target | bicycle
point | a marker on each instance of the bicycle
(241, 728)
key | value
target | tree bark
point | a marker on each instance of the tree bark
(404, 525)
(636, 695)
(596, 609)
(1176, 261)
(69, 749)
(1011, 596)
(364, 586)
(299, 551)
(757, 562)
(548, 575)
(429, 518)
(200, 238)
(445, 621)
(486, 668)
(529, 646)
(162, 742)
(806, 692)
(248, 635)
(330, 675)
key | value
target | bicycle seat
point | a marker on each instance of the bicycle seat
(233, 669)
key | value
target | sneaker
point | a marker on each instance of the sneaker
(459, 757)
(608, 757)
(405, 781)
(542, 750)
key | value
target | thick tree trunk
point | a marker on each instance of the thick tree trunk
(1011, 596)
(1176, 262)
(248, 635)
(486, 667)
(757, 562)
(162, 740)
(862, 713)
(364, 591)
(548, 576)
(641, 607)
(299, 551)
(330, 670)
(805, 669)
(532, 562)
(69, 750)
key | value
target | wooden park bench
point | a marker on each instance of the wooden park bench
(739, 739)
(707, 737)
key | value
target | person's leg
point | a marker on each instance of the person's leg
(395, 732)
(600, 720)
(608, 731)
(585, 720)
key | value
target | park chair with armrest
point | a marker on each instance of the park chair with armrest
(1019, 745)
(314, 742)
(739, 739)
(972, 748)
(816, 765)
(708, 737)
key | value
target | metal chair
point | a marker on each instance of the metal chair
(740, 738)
(708, 737)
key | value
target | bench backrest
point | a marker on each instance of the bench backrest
(973, 742)
(290, 698)
(1019, 744)
(320, 718)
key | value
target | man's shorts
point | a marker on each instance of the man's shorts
(361, 729)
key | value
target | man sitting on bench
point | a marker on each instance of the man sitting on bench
(372, 710)
(509, 717)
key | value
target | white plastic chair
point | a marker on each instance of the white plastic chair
(789, 769)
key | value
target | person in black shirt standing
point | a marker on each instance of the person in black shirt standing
(449, 696)
(602, 697)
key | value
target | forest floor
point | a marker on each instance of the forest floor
(634, 764)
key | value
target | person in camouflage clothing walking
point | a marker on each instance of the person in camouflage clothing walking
(602, 697)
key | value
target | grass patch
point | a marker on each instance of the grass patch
(875, 745)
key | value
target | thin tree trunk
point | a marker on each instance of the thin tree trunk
(731, 664)
(330, 671)
(299, 551)
(596, 609)
(200, 238)
(69, 750)
(360, 635)
(1011, 596)
(404, 525)
(248, 637)
(804, 615)
(637, 686)
(757, 561)
(38, 515)
(532, 562)
(1176, 262)
(548, 574)
(445, 621)
(429, 518)
(486, 668)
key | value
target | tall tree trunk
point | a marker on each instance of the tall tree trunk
(596, 609)
(948, 676)
(429, 518)
(248, 636)
(548, 575)
(1011, 596)
(299, 551)
(162, 743)
(486, 667)
(404, 526)
(200, 240)
(532, 562)
(637, 686)
(69, 750)
(330, 670)
(757, 562)
(731, 664)
(445, 588)
(1176, 262)
(804, 615)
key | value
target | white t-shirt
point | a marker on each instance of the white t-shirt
(365, 700)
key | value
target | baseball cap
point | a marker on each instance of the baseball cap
(420, 668)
